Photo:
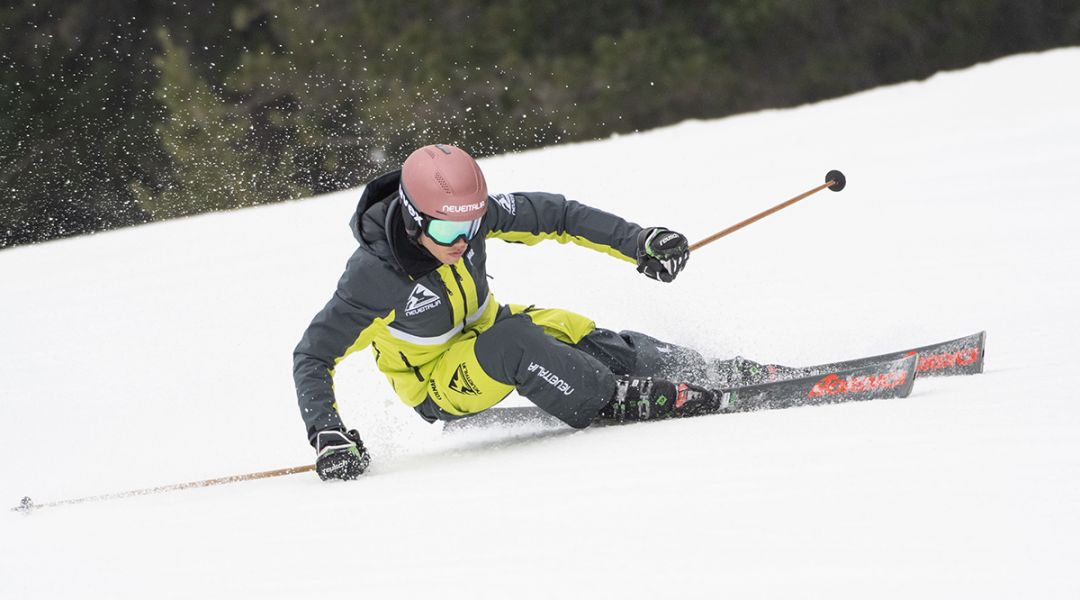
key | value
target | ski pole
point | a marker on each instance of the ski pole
(834, 180)
(27, 504)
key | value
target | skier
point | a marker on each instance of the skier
(416, 291)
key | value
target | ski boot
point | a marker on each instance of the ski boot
(647, 399)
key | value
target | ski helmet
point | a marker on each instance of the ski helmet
(442, 182)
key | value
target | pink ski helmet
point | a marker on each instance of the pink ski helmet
(444, 182)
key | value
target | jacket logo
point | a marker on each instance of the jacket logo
(506, 201)
(420, 300)
(462, 383)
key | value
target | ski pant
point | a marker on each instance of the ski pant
(556, 359)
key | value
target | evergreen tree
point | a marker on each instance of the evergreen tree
(118, 111)
(215, 164)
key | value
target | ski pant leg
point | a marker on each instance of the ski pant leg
(633, 353)
(535, 359)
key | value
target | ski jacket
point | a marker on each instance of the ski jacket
(410, 312)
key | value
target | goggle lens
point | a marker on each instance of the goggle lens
(447, 233)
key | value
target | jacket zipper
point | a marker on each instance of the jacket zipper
(449, 302)
(416, 371)
(464, 298)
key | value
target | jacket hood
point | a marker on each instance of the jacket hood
(368, 223)
(376, 225)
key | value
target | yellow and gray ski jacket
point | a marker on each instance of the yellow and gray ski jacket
(410, 318)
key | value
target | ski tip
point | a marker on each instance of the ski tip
(982, 351)
(836, 180)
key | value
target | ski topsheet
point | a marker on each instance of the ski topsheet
(888, 379)
(870, 381)
(962, 356)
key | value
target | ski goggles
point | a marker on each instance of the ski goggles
(447, 233)
(440, 231)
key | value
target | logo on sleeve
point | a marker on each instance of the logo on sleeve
(506, 201)
(421, 300)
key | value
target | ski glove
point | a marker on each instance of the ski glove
(341, 454)
(661, 253)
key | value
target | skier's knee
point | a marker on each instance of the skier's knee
(504, 346)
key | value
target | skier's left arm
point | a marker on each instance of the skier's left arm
(531, 217)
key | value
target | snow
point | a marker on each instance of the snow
(162, 354)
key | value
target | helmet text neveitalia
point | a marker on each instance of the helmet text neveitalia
(463, 208)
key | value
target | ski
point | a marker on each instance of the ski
(962, 356)
(503, 416)
(871, 381)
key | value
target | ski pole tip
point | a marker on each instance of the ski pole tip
(25, 505)
(836, 180)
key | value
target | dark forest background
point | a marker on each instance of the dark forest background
(119, 112)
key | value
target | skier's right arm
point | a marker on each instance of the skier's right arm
(342, 327)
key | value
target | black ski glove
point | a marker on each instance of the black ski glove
(661, 253)
(341, 454)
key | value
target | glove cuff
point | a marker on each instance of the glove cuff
(331, 439)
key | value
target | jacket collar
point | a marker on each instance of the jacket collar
(377, 225)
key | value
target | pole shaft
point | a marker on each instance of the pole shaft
(761, 215)
(183, 486)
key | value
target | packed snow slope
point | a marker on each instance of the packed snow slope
(162, 354)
